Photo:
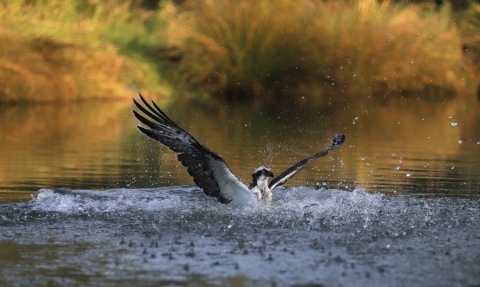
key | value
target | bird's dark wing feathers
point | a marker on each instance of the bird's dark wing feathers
(289, 173)
(196, 157)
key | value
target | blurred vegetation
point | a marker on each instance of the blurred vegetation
(76, 50)
(88, 49)
(254, 47)
(469, 23)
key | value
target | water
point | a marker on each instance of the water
(306, 235)
(87, 200)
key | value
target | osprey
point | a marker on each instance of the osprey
(208, 169)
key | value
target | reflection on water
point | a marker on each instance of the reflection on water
(323, 228)
(403, 145)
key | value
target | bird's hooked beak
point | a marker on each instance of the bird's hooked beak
(268, 173)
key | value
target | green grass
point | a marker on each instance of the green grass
(54, 50)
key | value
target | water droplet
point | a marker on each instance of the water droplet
(409, 174)
(450, 116)
(397, 167)
(453, 167)
(363, 158)
(428, 137)
(460, 141)
(454, 124)
(393, 154)
(478, 142)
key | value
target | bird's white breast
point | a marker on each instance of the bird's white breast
(230, 187)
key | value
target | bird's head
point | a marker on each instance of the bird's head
(261, 173)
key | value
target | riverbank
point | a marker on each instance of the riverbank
(71, 51)
(55, 50)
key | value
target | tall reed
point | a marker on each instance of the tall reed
(249, 46)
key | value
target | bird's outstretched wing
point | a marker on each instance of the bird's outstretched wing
(289, 173)
(208, 169)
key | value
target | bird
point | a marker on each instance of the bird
(208, 169)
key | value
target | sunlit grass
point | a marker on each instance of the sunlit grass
(40, 70)
(250, 47)
(76, 50)
(399, 48)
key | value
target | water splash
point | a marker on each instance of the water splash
(178, 231)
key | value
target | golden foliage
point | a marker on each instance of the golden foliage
(53, 50)
(251, 46)
(44, 70)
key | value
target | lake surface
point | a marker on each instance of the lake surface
(85, 199)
